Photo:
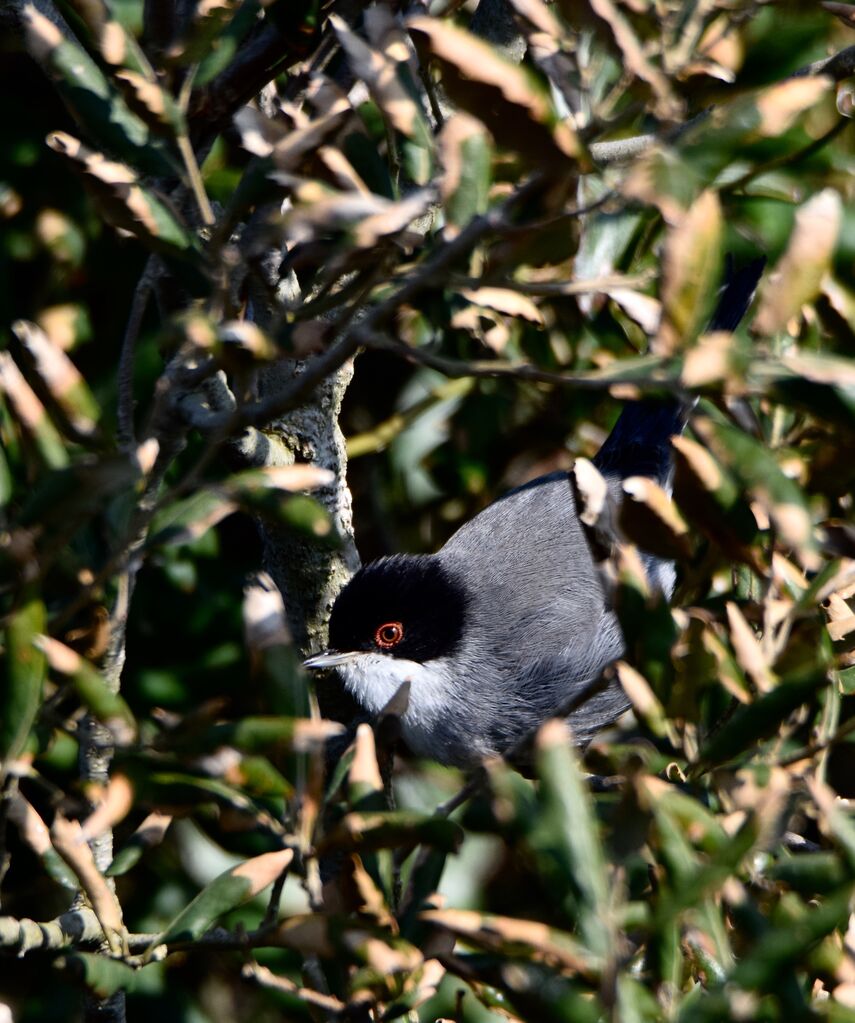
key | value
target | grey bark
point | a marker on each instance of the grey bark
(310, 573)
(494, 22)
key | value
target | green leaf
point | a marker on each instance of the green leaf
(782, 948)
(29, 412)
(754, 466)
(389, 86)
(691, 272)
(130, 205)
(149, 834)
(568, 832)
(822, 384)
(232, 888)
(466, 156)
(24, 671)
(101, 975)
(94, 692)
(260, 734)
(756, 721)
(266, 492)
(391, 830)
(190, 518)
(98, 109)
(814, 873)
(707, 492)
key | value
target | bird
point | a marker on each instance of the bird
(509, 620)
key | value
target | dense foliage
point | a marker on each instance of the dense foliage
(208, 210)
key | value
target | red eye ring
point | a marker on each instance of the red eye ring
(389, 634)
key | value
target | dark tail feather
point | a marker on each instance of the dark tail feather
(736, 294)
(639, 444)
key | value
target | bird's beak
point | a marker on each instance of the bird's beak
(329, 659)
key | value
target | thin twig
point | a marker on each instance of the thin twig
(838, 67)
(608, 282)
(125, 410)
(788, 159)
(257, 62)
(191, 166)
(491, 370)
(820, 746)
(331, 1005)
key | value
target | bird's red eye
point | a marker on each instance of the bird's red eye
(389, 635)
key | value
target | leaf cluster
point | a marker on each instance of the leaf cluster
(504, 247)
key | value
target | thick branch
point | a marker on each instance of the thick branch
(260, 58)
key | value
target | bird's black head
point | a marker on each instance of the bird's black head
(406, 606)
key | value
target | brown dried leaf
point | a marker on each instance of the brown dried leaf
(63, 324)
(149, 102)
(845, 12)
(308, 934)
(540, 16)
(780, 105)
(113, 806)
(727, 671)
(305, 141)
(263, 870)
(27, 406)
(364, 772)
(368, 217)
(711, 360)
(297, 477)
(690, 271)
(593, 490)
(841, 620)
(650, 519)
(372, 900)
(31, 827)
(504, 300)
(258, 133)
(749, 652)
(643, 309)
(393, 218)
(797, 278)
(246, 336)
(152, 830)
(668, 106)
(59, 373)
(68, 840)
(492, 931)
(513, 106)
(342, 170)
(383, 957)
(264, 622)
(43, 36)
(642, 698)
(380, 74)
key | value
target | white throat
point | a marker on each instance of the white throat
(373, 679)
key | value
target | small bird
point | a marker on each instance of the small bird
(508, 621)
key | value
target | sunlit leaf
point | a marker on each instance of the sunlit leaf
(232, 888)
(98, 108)
(798, 276)
(514, 106)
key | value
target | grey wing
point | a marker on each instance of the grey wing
(561, 677)
(571, 678)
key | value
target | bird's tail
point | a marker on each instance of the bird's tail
(640, 443)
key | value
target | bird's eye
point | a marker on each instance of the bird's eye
(389, 635)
